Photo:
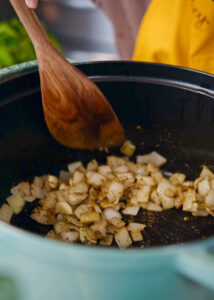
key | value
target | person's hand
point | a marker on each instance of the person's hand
(32, 3)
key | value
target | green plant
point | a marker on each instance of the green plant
(15, 44)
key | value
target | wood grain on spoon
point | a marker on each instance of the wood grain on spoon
(76, 112)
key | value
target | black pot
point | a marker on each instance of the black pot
(162, 108)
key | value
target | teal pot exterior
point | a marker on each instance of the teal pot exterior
(34, 268)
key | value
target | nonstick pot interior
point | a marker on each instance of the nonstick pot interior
(162, 108)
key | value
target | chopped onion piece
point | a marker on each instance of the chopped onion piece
(127, 179)
(206, 173)
(209, 199)
(189, 203)
(104, 170)
(117, 222)
(87, 236)
(41, 216)
(77, 178)
(89, 217)
(111, 229)
(155, 197)
(167, 202)
(200, 213)
(131, 210)
(133, 226)
(72, 219)
(79, 188)
(145, 180)
(63, 187)
(158, 177)
(74, 198)
(100, 229)
(64, 176)
(69, 236)
(37, 192)
(107, 241)
(166, 192)
(177, 178)
(153, 157)
(59, 217)
(95, 179)
(188, 184)
(74, 166)
(21, 188)
(114, 191)
(50, 201)
(92, 165)
(140, 195)
(17, 202)
(61, 195)
(6, 213)
(121, 169)
(128, 148)
(51, 182)
(114, 161)
(60, 227)
(81, 209)
(136, 236)
(111, 213)
(212, 184)
(154, 206)
(39, 182)
(51, 235)
(204, 187)
(122, 238)
(30, 198)
(63, 208)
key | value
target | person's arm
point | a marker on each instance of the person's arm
(126, 17)
(32, 3)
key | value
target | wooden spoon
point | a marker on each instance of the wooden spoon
(76, 112)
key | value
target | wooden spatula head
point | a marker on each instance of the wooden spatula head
(76, 111)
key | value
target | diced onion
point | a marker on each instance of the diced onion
(133, 226)
(111, 213)
(154, 206)
(17, 202)
(128, 148)
(92, 165)
(93, 205)
(6, 213)
(117, 222)
(70, 236)
(136, 236)
(122, 238)
(41, 216)
(90, 217)
(177, 178)
(107, 241)
(153, 157)
(64, 176)
(63, 208)
(204, 187)
(74, 166)
(131, 210)
(209, 200)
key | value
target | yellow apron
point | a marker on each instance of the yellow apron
(178, 32)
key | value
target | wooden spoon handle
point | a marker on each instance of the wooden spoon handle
(31, 23)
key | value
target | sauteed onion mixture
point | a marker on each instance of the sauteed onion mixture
(88, 204)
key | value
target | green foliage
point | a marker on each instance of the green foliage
(15, 45)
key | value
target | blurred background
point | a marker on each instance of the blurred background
(83, 31)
